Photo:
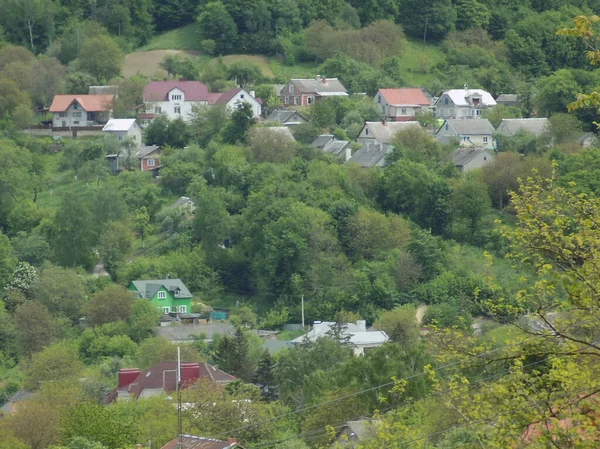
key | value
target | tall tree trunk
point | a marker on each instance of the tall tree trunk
(30, 24)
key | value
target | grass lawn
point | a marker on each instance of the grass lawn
(260, 61)
(299, 70)
(417, 62)
(184, 38)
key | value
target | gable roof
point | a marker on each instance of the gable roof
(322, 86)
(285, 116)
(405, 96)
(479, 126)
(159, 90)
(194, 442)
(462, 156)
(385, 131)
(119, 124)
(146, 151)
(148, 288)
(508, 99)
(460, 96)
(370, 155)
(89, 103)
(228, 95)
(357, 333)
(511, 126)
(164, 376)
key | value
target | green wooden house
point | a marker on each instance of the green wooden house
(168, 295)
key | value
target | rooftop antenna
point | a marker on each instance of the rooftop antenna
(178, 386)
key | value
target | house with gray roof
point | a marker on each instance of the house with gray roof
(508, 99)
(167, 295)
(463, 103)
(468, 133)
(511, 126)
(353, 432)
(287, 117)
(356, 334)
(466, 159)
(329, 144)
(304, 92)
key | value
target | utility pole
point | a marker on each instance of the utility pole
(425, 32)
(178, 386)
(302, 299)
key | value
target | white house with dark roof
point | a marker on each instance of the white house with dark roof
(356, 334)
(233, 99)
(463, 103)
(511, 126)
(304, 92)
(466, 159)
(468, 133)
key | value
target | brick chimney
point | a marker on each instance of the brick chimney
(324, 80)
(231, 442)
(190, 372)
(127, 376)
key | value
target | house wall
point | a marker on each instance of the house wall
(445, 108)
(145, 162)
(74, 118)
(134, 133)
(243, 96)
(168, 108)
(296, 98)
(482, 159)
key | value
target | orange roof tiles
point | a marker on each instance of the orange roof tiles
(405, 95)
(89, 103)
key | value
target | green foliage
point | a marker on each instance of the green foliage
(215, 23)
(58, 362)
(61, 290)
(105, 425)
(400, 324)
(101, 57)
(114, 303)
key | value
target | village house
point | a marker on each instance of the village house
(511, 126)
(354, 432)
(327, 143)
(356, 335)
(233, 99)
(162, 378)
(401, 104)
(123, 129)
(286, 117)
(468, 133)
(304, 92)
(148, 157)
(467, 159)
(80, 111)
(463, 103)
(167, 295)
(194, 442)
(511, 100)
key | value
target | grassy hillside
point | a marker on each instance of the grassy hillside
(418, 62)
(184, 38)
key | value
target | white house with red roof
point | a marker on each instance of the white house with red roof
(401, 104)
(176, 99)
(79, 111)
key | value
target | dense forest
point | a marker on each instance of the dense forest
(485, 282)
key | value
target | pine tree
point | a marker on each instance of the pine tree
(264, 376)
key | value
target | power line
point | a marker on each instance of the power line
(377, 387)
(397, 406)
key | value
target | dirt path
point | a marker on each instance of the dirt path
(421, 313)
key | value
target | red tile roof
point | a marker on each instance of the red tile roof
(159, 90)
(164, 376)
(405, 96)
(89, 103)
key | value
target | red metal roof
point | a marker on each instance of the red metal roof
(89, 103)
(405, 95)
(159, 90)
(228, 95)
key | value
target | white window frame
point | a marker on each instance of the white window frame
(296, 101)
(150, 162)
(287, 100)
(176, 97)
(177, 109)
(176, 292)
(162, 295)
(242, 96)
(62, 114)
(166, 310)
(403, 110)
(291, 89)
(157, 109)
(182, 309)
(485, 139)
(310, 100)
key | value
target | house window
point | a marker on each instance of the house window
(445, 100)
(296, 100)
(465, 138)
(485, 158)
(176, 97)
(242, 96)
(150, 162)
(182, 309)
(76, 114)
(177, 292)
(379, 99)
(62, 114)
(404, 110)
(485, 139)
(177, 109)
(76, 123)
(162, 295)
(120, 137)
(291, 88)
(478, 111)
(446, 126)
(310, 100)
(287, 100)
(166, 310)
(157, 109)
(366, 131)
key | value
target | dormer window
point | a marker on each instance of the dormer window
(176, 292)
(475, 101)
(176, 97)
(291, 88)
